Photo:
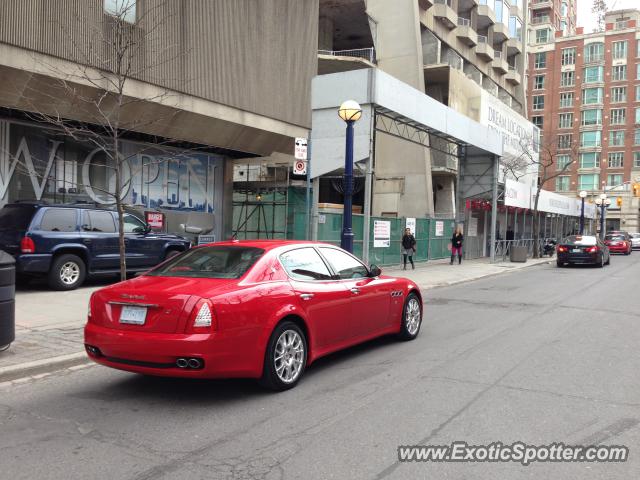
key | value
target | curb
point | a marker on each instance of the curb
(46, 365)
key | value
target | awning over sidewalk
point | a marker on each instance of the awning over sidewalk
(379, 93)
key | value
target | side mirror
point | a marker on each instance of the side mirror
(374, 271)
(147, 228)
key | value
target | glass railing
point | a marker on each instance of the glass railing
(482, 39)
(464, 22)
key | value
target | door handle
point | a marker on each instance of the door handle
(306, 296)
(86, 241)
(355, 290)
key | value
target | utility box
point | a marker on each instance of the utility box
(7, 300)
(518, 254)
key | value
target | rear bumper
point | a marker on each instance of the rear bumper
(33, 262)
(581, 259)
(157, 353)
(618, 249)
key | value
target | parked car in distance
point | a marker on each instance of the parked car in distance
(618, 242)
(256, 309)
(635, 240)
(584, 250)
(66, 243)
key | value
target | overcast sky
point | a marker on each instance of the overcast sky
(586, 19)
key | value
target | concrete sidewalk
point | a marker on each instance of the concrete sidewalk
(49, 324)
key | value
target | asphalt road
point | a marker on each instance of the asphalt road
(542, 355)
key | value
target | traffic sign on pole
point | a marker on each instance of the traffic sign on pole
(300, 152)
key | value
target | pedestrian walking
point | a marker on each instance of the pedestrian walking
(408, 248)
(456, 245)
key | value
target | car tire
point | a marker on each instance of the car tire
(608, 260)
(283, 374)
(559, 264)
(410, 324)
(67, 272)
(601, 265)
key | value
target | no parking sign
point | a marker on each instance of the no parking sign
(300, 167)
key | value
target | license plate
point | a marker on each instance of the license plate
(133, 315)
(576, 250)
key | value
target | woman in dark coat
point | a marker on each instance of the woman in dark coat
(408, 247)
(456, 245)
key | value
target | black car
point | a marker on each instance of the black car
(583, 249)
(68, 242)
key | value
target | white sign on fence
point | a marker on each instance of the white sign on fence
(439, 228)
(472, 227)
(381, 233)
(411, 225)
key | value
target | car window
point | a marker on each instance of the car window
(305, 264)
(95, 221)
(133, 224)
(344, 264)
(210, 262)
(16, 217)
(59, 220)
(615, 237)
(580, 240)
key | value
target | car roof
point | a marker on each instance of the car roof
(35, 204)
(268, 244)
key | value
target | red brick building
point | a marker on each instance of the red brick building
(584, 94)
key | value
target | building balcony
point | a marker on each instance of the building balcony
(541, 20)
(513, 76)
(516, 11)
(514, 46)
(540, 4)
(499, 63)
(335, 61)
(466, 5)
(500, 32)
(442, 11)
(424, 4)
(483, 49)
(486, 16)
(446, 165)
(466, 33)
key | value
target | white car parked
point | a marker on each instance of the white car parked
(635, 240)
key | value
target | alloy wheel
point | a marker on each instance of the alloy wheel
(412, 316)
(289, 356)
(69, 273)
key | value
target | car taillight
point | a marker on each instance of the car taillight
(90, 307)
(27, 245)
(562, 249)
(202, 318)
(592, 250)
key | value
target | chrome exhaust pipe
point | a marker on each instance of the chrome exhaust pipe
(195, 363)
(182, 363)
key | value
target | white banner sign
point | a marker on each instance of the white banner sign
(472, 227)
(439, 228)
(517, 194)
(411, 225)
(381, 233)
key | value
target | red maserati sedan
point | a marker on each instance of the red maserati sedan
(619, 242)
(261, 309)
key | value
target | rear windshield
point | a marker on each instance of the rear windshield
(210, 262)
(614, 236)
(16, 217)
(580, 240)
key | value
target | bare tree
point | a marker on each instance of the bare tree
(544, 160)
(599, 9)
(118, 51)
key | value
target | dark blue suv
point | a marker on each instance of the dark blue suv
(68, 242)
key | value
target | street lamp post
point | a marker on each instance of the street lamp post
(350, 112)
(603, 202)
(583, 195)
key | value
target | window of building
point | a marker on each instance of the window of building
(122, 9)
(637, 115)
(638, 71)
(538, 82)
(591, 96)
(540, 60)
(619, 73)
(616, 138)
(591, 139)
(636, 137)
(621, 24)
(515, 27)
(638, 93)
(562, 161)
(618, 116)
(614, 180)
(594, 52)
(538, 121)
(538, 102)
(543, 35)
(568, 56)
(589, 182)
(567, 79)
(637, 48)
(594, 74)
(566, 100)
(616, 159)
(564, 9)
(620, 50)
(636, 159)
(564, 141)
(590, 160)
(592, 117)
(562, 183)
(566, 120)
(619, 94)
